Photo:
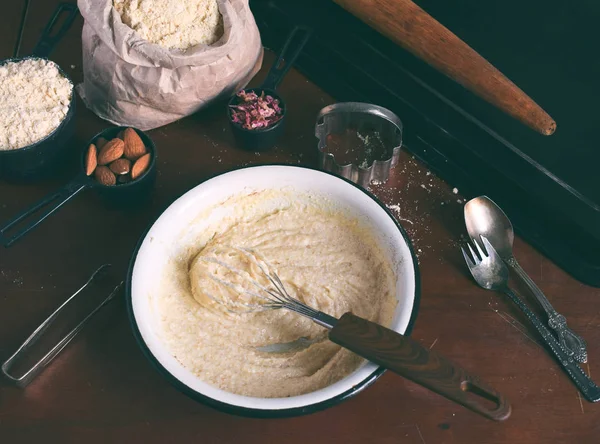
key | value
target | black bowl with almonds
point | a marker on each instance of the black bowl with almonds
(119, 163)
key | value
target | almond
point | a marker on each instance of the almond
(140, 166)
(134, 147)
(111, 151)
(105, 176)
(101, 142)
(91, 160)
(120, 166)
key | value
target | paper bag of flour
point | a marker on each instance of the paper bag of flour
(132, 82)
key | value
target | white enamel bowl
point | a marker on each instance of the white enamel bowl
(160, 241)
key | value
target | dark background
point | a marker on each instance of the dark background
(548, 185)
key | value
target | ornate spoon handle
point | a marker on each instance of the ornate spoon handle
(588, 388)
(571, 343)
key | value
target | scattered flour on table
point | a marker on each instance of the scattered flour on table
(414, 209)
(178, 24)
(11, 277)
(34, 100)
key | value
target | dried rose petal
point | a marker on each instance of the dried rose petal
(254, 111)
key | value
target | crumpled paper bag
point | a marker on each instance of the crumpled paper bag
(132, 82)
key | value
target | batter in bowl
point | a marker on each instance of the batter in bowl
(324, 258)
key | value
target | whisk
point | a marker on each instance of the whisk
(257, 287)
(268, 295)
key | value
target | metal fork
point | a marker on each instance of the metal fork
(491, 273)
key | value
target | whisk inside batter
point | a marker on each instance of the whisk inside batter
(232, 278)
(241, 280)
(324, 258)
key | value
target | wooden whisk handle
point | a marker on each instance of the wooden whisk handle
(406, 357)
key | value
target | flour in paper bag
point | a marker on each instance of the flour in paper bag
(130, 81)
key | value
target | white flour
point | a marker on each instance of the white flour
(34, 100)
(173, 23)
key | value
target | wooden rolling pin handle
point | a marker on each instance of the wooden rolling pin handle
(415, 30)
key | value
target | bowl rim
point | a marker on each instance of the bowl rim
(267, 413)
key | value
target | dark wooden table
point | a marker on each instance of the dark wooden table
(101, 389)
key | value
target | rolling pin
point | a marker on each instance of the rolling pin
(413, 29)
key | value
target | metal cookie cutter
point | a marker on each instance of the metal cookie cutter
(377, 134)
(29, 375)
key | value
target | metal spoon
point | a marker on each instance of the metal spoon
(490, 273)
(484, 218)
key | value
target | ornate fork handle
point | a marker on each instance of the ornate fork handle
(588, 388)
(571, 343)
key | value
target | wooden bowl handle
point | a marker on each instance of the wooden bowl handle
(406, 357)
(412, 28)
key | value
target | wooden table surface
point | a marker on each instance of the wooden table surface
(101, 389)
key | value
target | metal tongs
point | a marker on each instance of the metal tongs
(29, 375)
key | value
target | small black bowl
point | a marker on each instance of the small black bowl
(264, 138)
(135, 192)
(36, 161)
(130, 193)
(39, 159)
(259, 139)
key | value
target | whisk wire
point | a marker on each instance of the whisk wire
(275, 295)
(282, 296)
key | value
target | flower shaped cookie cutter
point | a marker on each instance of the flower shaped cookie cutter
(358, 141)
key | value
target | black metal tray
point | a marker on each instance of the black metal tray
(548, 186)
